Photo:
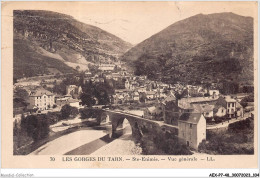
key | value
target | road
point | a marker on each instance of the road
(226, 123)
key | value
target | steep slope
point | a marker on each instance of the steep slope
(207, 48)
(44, 37)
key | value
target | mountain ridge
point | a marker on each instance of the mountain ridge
(201, 45)
(56, 36)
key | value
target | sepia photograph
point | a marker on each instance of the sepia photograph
(133, 79)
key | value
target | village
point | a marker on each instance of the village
(194, 109)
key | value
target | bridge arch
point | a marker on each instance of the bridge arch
(119, 124)
(104, 118)
(113, 120)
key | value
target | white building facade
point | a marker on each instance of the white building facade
(41, 99)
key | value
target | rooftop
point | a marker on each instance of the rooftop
(151, 109)
(40, 92)
(170, 97)
(229, 99)
(203, 108)
(197, 99)
(190, 117)
(150, 92)
(73, 100)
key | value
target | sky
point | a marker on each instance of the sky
(137, 21)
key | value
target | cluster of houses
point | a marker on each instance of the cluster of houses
(106, 67)
(106, 71)
(71, 98)
(41, 99)
(139, 89)
(111, 65)
(213, 106)
(191, 113)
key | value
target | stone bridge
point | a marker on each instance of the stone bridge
(139, 125)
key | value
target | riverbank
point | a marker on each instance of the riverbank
(68, 142)
(124, 145)
(62, 131)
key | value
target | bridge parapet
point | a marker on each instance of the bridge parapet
(139, 125)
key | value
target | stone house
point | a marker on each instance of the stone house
(153, 113)
(205, 109)
(170, 109)
(192, 129)
(74, 103)
(213, 93)
(150, 95)
(233, 108)
(219, 111)
(74, 91)
(136, 96)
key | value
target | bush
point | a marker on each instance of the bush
(164, 143)
(15, 128)
(36, 127)
(217, 119)
(68, 111)
(90, 113)
(240, 125)
(86, 113)
(87, 99)
(245, 100)
(238, 139)
(206, 95)
(74, 111)
(54, 117)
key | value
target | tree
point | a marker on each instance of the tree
(245, 100)
(87, 99)
(101, 93)
(23, 122)
(185, 93)
(248, 89)
(74, 111)
(81, 79)
(103, 97)
(54, 82)
(88, 87)
(21, 93)
(93, 68)
(14, 80)
(65, 111)
(230, 87)
(243, 104)
(31, 126)
(37, 127)
(177, 95)
(57, 75)
(142, 97)
(206, 95)
(15, 129)
(60, 88)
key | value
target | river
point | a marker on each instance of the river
(92, 141)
